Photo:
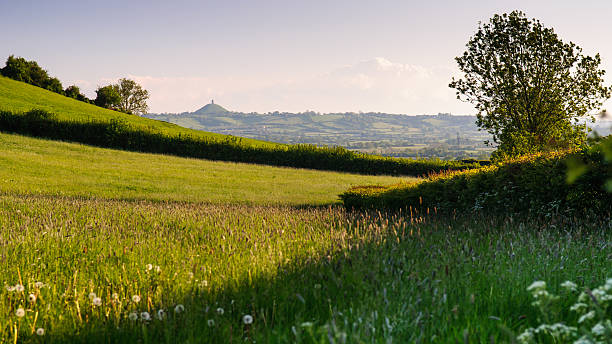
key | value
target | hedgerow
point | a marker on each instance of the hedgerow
(121, 135)
(536, 182)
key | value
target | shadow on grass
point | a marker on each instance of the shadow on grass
(390, 283)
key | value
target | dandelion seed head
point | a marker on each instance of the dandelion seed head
(97, 301)
(20, 312)
(211, 323)
(32, 298)
(247, 319)
(39, 285)
(161, 314)
(157, 269)
(92, 295)
(40, 331)
(133, 316)
(19, 288)
(145, 316)
(220, 311)
(10, 288)
(149, 267)
(136, 298)
(179, 309)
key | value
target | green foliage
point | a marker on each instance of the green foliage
(133, 98)
(304, 275)
(529, 87)
(118, 133)
(534, 183)
(126, 96)
(587, 319)
(54, 85)
(75, 93)
(108, 97)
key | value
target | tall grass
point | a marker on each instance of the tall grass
(304, 275)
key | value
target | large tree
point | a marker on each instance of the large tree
(133, 97)
(529, 87)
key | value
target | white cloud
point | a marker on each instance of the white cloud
(377, 84)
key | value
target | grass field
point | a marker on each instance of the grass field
(303, 275)
(43, 167)
(108, 246)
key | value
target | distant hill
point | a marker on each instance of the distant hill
(442, 135)
(211, 109)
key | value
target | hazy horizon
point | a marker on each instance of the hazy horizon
(343, 56)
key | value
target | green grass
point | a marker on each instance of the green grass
(18, 96)
(35, 166)
(304, 275)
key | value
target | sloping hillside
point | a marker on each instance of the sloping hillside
(17, 96)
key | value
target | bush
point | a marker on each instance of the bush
(535, 182)
(119, 134)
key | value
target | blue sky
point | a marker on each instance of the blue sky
(388, 56)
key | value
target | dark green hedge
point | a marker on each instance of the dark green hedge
(527, 184)
(120, 135)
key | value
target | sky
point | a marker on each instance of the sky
(278, 55)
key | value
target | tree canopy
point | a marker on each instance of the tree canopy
(133, 98)
(529, 87)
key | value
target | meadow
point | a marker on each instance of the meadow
(107, 271)
(105, 246)
(102, 245)
(43, 167)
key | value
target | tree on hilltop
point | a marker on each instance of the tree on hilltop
(529, 87)
(133, 97)
(108, 97)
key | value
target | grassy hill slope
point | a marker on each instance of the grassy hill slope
(18, 96)
(36, 166)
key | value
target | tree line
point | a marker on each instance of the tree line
(125, 96)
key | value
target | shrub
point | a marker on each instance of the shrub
(119, 134)
(530, 183)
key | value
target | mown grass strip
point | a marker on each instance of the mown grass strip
(36, 166)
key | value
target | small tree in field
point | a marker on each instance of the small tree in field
(530, 88)
(108, 97)
(133, 97)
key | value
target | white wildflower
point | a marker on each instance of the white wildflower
(526, 337)
(149, 267)
(583, 340)
(211, 323)
(32, 298)
(97, 301)
(145, 316)
(20, 312)
(19, 288)
(590, 315)
(157, 269)
(220, 311)
(247, 319)
(136, 298)
(598, 330)
(536, 286)
(40, 331)
(39, 285)
(161, 314)
(10, 288)
(92, 295)
(569, 285)
(133, 316)
(306, 324)
(579, 307)
(179, 309)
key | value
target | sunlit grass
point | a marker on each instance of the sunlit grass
(302, 274)
(35, 166)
